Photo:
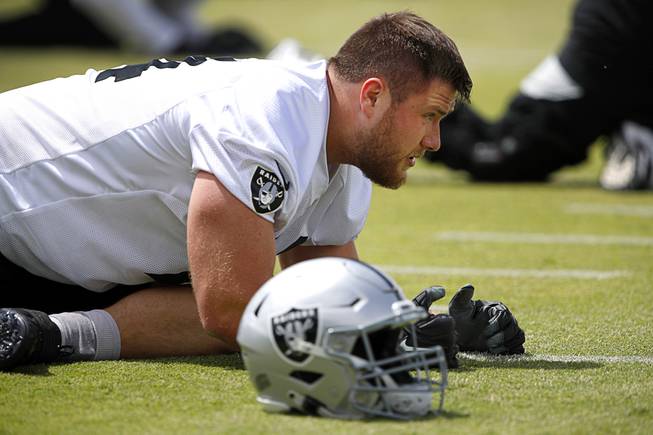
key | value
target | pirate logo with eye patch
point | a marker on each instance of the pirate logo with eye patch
(293, 328)
(268, 191)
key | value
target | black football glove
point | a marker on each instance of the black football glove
(485, 326)
(436, 329)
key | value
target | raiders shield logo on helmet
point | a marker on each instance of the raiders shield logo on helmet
(268, 191)
(293, 325)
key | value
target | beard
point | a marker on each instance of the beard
(376, 156)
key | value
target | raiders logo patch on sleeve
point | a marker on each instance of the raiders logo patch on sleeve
(268, 191)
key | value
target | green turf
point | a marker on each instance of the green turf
(501, 41)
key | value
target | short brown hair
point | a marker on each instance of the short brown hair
(407, 51)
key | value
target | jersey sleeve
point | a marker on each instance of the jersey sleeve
(342, 211)
(244, 152)
(251, 175)
(261, 137)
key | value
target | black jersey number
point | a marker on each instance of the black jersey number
(132, 71)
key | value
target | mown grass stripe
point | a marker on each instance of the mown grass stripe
(528, 273)
(610, 209)
(572, 239)
(621, 359)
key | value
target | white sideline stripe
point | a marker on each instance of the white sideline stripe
(560, 358)
(574, 239)
(613, 209)
(531, 273)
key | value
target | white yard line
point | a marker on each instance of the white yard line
(530, 273)
(572, 239)
(610, 209)
(559, 358)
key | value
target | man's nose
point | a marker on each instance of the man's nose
(431, 140)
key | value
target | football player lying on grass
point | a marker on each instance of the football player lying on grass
(121, 186)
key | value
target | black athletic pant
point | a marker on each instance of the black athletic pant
(21, 289)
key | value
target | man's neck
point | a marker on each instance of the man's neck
(340, 121)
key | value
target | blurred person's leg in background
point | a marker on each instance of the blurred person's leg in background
(600, 79)
(151, 27)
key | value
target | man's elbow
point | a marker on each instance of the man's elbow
(222, 325)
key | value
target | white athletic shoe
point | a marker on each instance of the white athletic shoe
(629, 159)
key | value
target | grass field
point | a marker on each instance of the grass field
(573, 262)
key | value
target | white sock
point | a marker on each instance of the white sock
(93, 335)
(106, 333)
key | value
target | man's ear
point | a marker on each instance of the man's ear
(374, 96)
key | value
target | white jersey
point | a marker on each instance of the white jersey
(96, 170)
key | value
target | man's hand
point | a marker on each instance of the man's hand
(436, 329)
(485, 326)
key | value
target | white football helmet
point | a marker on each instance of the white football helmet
(321, 337)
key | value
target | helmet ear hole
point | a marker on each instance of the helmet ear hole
(306, 376)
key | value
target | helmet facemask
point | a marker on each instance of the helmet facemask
(390, 382)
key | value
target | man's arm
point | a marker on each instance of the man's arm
(230, 254)
(301, 253)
